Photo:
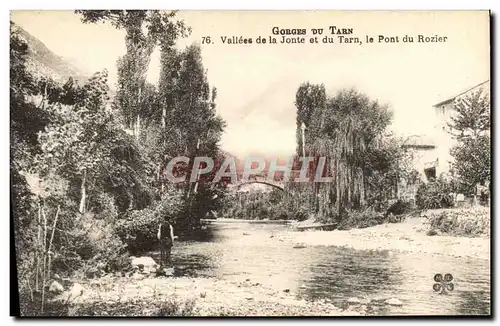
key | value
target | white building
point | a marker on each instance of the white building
(423, 151)
(431, 153)
(444, 141)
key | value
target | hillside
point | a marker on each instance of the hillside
(43, 62)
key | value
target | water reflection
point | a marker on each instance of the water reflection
(205, 234)
(240, 252)
(340, 274)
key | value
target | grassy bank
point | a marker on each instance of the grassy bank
(464, 222)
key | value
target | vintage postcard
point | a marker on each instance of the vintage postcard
(250, 163)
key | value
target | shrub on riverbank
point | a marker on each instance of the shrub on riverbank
(400, 207)
(95, 249)
(265, 211)
(368, 217)
(434, 195)
(258, 211)
(470, 222)
(264, 206)
(139, 228)
(361, 219)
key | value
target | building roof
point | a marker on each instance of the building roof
(419, 141)
(451, 99)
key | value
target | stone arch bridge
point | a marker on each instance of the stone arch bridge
(259, 180)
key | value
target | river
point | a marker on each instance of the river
(257, 253)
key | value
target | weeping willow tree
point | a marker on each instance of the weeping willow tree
(344, 130)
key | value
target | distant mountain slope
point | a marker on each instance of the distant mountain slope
(43, 62)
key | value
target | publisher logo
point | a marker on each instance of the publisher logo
(443, 283)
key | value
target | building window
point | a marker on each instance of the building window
(430, 174)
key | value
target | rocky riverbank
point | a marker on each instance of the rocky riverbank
(184, 296)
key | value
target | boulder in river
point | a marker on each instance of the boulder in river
(138, 276)
(169, 271)
(353, 300)
(144, 264)
(394, 302)
(56, 287)
(365, 301)
(75, 291)
(165, 271)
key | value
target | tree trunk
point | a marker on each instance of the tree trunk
(138, 118)
(137, 127)
(83, 193)
(163, 118)
(44, 268)
(50, 243)
(39, 243)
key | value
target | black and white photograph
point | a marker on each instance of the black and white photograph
(217, 163)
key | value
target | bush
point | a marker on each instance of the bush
(434, 195)
(259, 206)
(361, 219)
(93, 249)
(431, 232)
(472, 222)
(174, 307)
(400, 207)
(138, 229)
(301, 213)
(262, 210)
(105, 208)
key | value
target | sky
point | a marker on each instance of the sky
(257, 83)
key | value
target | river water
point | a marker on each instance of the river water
(257, 253)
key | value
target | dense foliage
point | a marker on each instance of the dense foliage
(363, 160)
(465, 222)
(472, 154)
(366, 164)
(88, 169)
(139, 227)
(273, 205)
(436, 194)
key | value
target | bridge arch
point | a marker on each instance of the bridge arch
(276, 185)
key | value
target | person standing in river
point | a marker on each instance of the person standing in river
(166, 239)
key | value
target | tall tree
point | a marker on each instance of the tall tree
(471, 127)
(191, 126)
(144, 30)
(310, 100)
(341, 129)
(26, 120)
(71, 144)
